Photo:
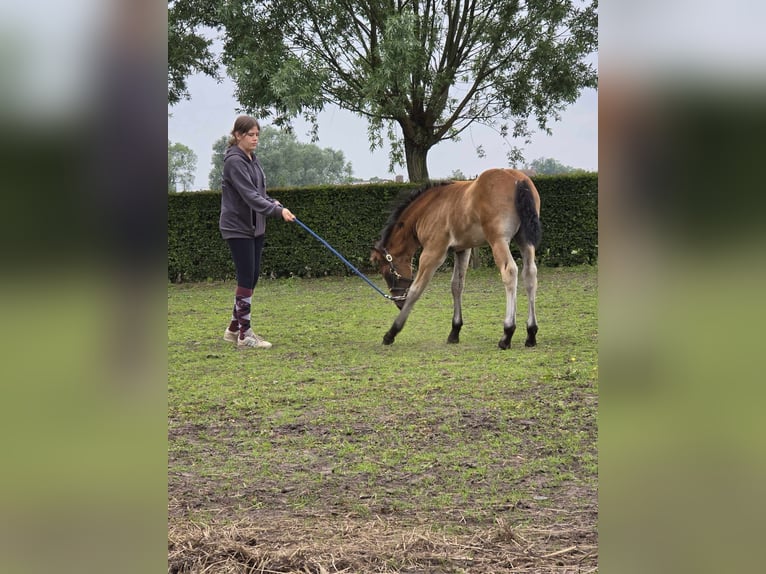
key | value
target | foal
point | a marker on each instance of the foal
(500, 205)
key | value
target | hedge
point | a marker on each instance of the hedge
(350, 218)
(569, 217)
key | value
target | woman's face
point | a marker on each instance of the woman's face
(248, 141)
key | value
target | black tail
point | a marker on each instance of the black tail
(530, 231)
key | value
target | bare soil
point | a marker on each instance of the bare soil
(355, 525)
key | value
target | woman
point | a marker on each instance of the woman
(245, 205)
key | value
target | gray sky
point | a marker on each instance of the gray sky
(210, 113)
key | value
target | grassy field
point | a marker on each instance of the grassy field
(331, 452)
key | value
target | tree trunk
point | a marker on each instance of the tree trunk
(417, 167)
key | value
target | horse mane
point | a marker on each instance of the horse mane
(403, 203)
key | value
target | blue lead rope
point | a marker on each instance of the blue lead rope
(339, 256)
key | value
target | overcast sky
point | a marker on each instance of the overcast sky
(210, 114)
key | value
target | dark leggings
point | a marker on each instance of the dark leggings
(246, 254)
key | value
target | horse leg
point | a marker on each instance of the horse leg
(529, 274)
(509, 274)
(458, 282)
(427, 265)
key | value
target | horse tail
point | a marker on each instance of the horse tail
(530, 231)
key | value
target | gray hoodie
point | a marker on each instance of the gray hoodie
(244, 201)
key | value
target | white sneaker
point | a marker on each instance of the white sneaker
(253, 340)
(230, 336)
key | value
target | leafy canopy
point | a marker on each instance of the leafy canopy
(188, 50)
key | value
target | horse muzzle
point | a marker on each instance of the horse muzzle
(399, 295)
(399, 301)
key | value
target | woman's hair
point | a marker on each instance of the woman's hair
(242, 125)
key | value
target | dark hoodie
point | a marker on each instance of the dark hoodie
(244, 201)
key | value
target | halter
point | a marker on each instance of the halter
(397, 277)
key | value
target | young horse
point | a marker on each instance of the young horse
(500, 205)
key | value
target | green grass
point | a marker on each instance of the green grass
(332, 422)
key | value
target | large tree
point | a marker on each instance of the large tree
(430, 67)
(288, 162)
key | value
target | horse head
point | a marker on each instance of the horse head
(396, 270)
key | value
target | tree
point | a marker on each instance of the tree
(430, 67)
(458, 175)
(288, 162)
(216, 172)
(188, 51)
(182, 162)
(549, 166)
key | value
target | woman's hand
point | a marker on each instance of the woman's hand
(287, 215)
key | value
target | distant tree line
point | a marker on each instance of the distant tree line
(549, 166)
(540, 166)
(288, 162)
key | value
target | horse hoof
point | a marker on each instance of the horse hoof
(531, 336)
(388, 340)
(504, 344)
(453, 340)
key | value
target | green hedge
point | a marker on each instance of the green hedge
(350, 218)
(569, 217)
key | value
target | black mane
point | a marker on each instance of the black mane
(403, 204)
